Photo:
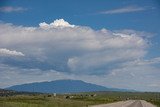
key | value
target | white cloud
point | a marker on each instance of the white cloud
(9, 9)
(127, 9)
(79, 49)
(57, 23)
(142, 62)
(60, 50)
(134, 32)
(6, 52)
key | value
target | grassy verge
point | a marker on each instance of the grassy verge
(155, 102)
(41, 101)
(76, 100)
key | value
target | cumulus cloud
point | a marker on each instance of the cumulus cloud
(62, 50)
(74, 49)
(127, 9)
(57, 23)
(6, 52)
(9, 9)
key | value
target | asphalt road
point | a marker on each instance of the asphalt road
(129, 103)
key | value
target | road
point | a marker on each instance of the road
(129, 103)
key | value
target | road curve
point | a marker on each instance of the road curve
(129, 103)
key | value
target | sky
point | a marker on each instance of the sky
(114, 43)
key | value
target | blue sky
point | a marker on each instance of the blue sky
(107, 40)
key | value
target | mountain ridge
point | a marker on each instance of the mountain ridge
(63, 86)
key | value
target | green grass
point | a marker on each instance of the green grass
(40, 101)
(77, 100)
(155, 102)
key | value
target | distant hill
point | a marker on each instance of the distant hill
(62, 86)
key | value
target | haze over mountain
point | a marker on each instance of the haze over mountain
(62, 86)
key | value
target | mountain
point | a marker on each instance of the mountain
(62, 86)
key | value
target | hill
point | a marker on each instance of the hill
(62, 86)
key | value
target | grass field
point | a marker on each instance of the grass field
(41, 101)
(75, 100)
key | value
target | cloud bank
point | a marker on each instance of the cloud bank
(76, 49)
(62, 50)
